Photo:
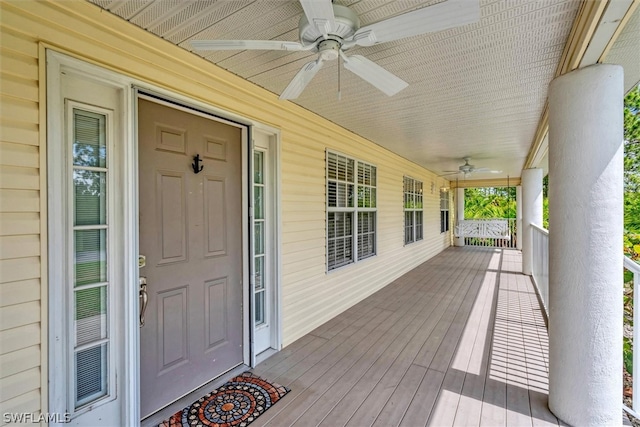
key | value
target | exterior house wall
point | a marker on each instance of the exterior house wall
(21, 270)
(310, 295)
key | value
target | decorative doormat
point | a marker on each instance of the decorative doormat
(236, 403)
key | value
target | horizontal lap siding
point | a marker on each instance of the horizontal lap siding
(20, 263)
(310, 295)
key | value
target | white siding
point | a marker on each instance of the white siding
(20, 263)
(310, 295)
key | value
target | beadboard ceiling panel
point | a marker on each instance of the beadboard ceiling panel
(476, 90)
(626, 51)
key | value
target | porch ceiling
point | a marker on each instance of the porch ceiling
(478, 90)
(626, 51)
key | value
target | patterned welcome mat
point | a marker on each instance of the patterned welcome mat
(236, 403)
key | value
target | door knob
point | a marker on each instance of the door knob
(144, 298)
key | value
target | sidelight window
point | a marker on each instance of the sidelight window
(444, 211)
(90, 287)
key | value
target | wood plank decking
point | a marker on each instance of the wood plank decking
(459, 340)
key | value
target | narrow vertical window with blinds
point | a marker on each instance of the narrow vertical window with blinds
(351, 210)
(413, 205)
(444, 211)
(90, 287)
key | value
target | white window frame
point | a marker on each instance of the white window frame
(353, 210)
(271, 150)
(123, 304)
(416, 193)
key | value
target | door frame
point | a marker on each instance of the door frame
(129, 379)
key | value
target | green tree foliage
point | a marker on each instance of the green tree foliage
(631, 238)
(632, 141)
(545, 202)
(498, 202)
(632, 174)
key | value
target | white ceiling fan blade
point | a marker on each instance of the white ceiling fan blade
(301, 80)
(245, 45)
(371, 72)
(487, 170)
(448, 14)
(320, 14)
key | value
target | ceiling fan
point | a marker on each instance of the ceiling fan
(468, 169)
(330, 30)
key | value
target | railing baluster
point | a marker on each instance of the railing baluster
(540, 265)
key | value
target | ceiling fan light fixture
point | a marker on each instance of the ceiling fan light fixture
(329, 50)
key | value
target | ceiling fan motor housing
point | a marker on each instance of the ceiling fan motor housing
(346, 24)
(466, 168)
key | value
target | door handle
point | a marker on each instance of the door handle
(144, 299)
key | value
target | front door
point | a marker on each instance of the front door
(191, 240)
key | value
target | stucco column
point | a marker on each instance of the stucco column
(531, 213)
(585, 246)
(459, 241)
(519, 217)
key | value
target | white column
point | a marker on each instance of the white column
(585, 246)
(531, 213)
(459, 241)
(519, 217)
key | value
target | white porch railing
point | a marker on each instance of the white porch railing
(540, 264)
(540, 275)
(491, 233)
(634, 267)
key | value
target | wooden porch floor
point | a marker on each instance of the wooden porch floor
(459, 340)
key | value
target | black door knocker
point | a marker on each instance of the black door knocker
(197, 167)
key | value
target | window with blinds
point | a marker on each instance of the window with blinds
(444, 211)
(413, 205)
(351, 210)
(89, 318)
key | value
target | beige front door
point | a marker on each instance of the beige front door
(191, 236)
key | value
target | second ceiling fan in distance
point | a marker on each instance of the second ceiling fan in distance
(467, 169)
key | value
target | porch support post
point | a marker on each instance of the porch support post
(459, 241)
(531, 214)
(519, 217)
(585, 245)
